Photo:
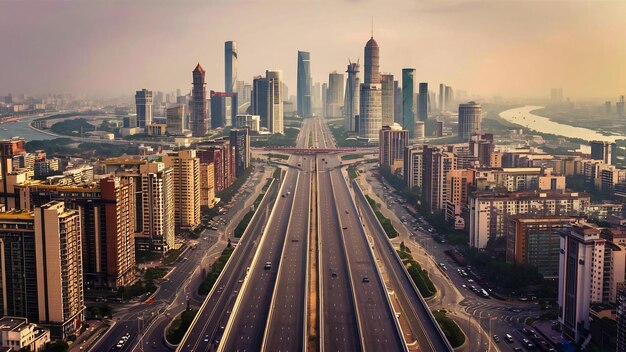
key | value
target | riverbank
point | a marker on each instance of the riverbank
(525, 117)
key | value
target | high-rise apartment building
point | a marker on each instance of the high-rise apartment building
(334, 100)
(535, 240)
(370, 118)
(222, 155)
(157, 210)
(199, 120)
(387, 99)
(413, 166)
(304, 84)
(207, 184)
(456, 197)
(112, 254)
(186, 180)
(59, 268)
(423, 107)
(351, 102)
(602, 150)
(41, 260)
(275, 101)
(143, 103)
(240, 139)
(408, 109)
(470, 119)
(175, 118)
(437, 163)
(223, 109)
(581, 274)
(230, 66)
(391, 143)
(489, 211)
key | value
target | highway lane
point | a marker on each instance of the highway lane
(429, 335)
(380, 330)
(246, 327)
(286, 326)
(206, 330)
(339, 328)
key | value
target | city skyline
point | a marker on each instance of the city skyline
(481, 59)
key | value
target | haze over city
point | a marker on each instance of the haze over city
(510, 48)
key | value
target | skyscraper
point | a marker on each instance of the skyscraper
(423, 101)
(351, 101)
(335, 94)
(304, 84)
(449, 97)
(199, 121)
(370, 119)
(470, 116)
(223, 109)
(387, 99)
(397, 103)
(442, 97)
(275, 94)
(408, 110)
(260, 100)
(143, 103)
(230, 66)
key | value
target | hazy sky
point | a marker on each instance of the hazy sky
(508, 47)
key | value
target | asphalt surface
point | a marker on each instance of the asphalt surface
(286, 326)
(246, 329)
(209, 324)
(339, 329)
(379, 328)
(423, 324)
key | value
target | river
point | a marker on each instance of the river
(523, 116)
(22, 129)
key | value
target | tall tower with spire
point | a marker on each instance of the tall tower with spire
(370, 119)
(351, 102)
(199, 121)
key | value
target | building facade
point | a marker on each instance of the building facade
(230, 66)
(304, 84)
(143, 104)
(370, 110)
(186, 181)
(199, 120)
(351, 102)
(386, 80)
(275, 101)
(470, 118)
(408, 109)
(423, 106)
(392, 142)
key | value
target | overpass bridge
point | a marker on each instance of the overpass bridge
(294, 150)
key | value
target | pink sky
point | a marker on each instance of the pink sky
(512, 48)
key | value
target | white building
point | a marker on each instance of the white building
(489, 211)
(18, 334)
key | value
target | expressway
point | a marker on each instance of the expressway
(248, 329)
(378, 323)
(422, 323)
(207, 327)
(286, 325)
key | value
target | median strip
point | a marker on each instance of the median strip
(385, 222)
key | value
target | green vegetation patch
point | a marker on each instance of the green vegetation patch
(179, 326)
(278, 140)
(243, 224)
(75, 127)
(418, 275)
(385, 222)
(216, 269)
(352, 172)
(450, 328)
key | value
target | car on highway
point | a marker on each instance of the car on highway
(268, 265)
(366, 279)
(496, 338)
(508, 338)
(333, 274)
